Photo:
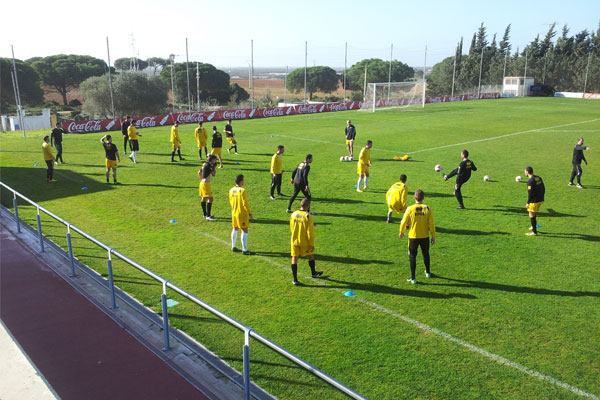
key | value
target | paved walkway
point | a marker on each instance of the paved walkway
(79, 351)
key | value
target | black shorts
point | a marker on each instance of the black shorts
(135, 146)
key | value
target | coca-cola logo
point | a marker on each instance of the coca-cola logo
(338, 107)
(234, 114)
(187, 118)
(85, 126)
(308, 109)
(272, 112)
(146, 122)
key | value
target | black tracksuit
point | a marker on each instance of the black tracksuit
(300, 178)
(463, 174)
(577, 158)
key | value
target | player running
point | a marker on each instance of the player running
(364, 162)
(396, 198)
(133, 134)
(230, 137)
(463, 174)
(216, 145)
(204, 189)
(300, 181)
(240, 214)
(277, 171)
(535, 198)
(176, 142)
(201, 139)
(350, 133)
(577, 158)
(302, 227)
(419, 220)
(112, 155)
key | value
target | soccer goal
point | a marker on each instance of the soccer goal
(394, 94)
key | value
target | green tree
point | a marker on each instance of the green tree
(29, 83)
(377, 71)
(238, 94)
(318, 79)
(64, 72)
(214, 83)
(156, 63)
(124, 64)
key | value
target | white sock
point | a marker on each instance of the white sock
(366, 181)
(244, 241)
(134, 156)
(359, 181)
(234, 234)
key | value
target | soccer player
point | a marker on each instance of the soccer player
(56, 140)
(364, 162)
(276, 171)
(49, 158)
(112, 155)
(350, 132)
(240, 214)
(463, 174)
(133, 134)
(535, 198)
(302, 227)
(230, 137)
(217, 144)
(201, 139)
(577, 158)
(396, 198)
(124, 132)
(204, 189)
(418, 218)
(176, 142)
(300, 181)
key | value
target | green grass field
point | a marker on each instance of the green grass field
(535, 301)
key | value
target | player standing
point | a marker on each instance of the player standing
(419, 219)
(124, 127)
(300, 181)
(350, 132)
(240, 214)
(133, 134)
(48, 158)
(56, 138)
(577, 158)
(396, 198)
(176, 142)
(230, 137)
(302, 227)
(112, 154)
(201, 139)
(535, 198)
(216, 145)
(204, 189)
(364, 162)
(463, 174)
(277, 171)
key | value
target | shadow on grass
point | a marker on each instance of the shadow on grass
(552, 213)
(260, 362)
(359, 217)
(511, 288)
(321, 257)
(577, 236)
(196, 318)
(341, 201)
(434, 194)
(468, 232)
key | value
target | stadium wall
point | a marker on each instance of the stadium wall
(105, 125)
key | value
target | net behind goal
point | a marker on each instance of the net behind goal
(394, 94)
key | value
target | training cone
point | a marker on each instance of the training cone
(35, 165)
(349, 293)
(84, 188)
(272, 136)
(237, 163)
(172, 221)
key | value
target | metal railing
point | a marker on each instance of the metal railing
(248, 332)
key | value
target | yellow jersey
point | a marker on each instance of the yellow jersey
(365, 156)
(175, 135)
(276, 163)
(201, 136)
(132, 132)
(419, 218)
(47, 150)
(396, 196)
(238, 198)
(302, 227)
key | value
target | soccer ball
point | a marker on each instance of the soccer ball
(518, 179)
(347, 158)
(438, 168)
(351, 158)
(342, 158)
(486, 178)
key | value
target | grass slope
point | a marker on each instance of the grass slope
(532, 300)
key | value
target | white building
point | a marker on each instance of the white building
(517, 86)
(11, 123)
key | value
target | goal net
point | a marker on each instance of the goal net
(394, 94)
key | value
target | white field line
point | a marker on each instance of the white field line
(494, 357)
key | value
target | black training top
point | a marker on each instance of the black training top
(111, 151)
(207, 170)
(300, 174)
(578, 154)
(124, 127)
(463, 172)
(228, 129)
(217, 140)
(56, 136)
(350, 132)
(535, 189)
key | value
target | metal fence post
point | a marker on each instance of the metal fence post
(39, 222)
(70, 250)
(16, 212)
(111, 281)
(247, 363)
(165, 316)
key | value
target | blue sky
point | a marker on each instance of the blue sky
(220, 32)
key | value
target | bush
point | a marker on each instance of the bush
(75, 103)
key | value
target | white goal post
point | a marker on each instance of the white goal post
(394, 94)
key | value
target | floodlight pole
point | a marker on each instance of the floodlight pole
(365, 84)
(285, 85)
(480, 71)
(198, 85)
(305, 67)
(586, 71)
(345, 66)
(525, 75)
(172, 58)
(252, 70)
(112, 100)
(18, 93)
(453, 75)
(544, 73)
(504, 71)
(187, 73)
(424, 75)
(390, 72)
